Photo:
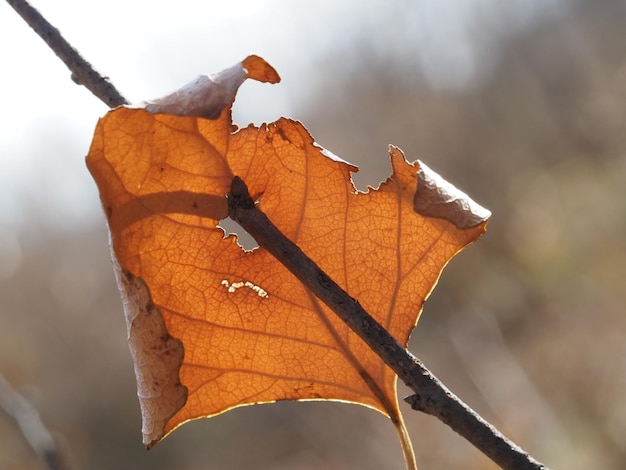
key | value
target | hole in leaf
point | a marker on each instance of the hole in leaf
(244, 239)
(232, 287)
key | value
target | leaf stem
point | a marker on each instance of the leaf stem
(431, 396)
(82, 71)
(390, 408)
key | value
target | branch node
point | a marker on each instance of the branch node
(238, 197)
(415, 401)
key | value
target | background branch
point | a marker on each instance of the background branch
(29, 423)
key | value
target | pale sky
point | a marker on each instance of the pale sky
(148, 48)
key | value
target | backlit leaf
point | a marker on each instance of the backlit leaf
(212, 327)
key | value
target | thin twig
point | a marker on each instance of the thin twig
(28, 421)
(82, 71)
(431, 396)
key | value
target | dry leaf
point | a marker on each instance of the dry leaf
(249, 330)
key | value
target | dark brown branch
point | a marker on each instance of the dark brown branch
(82, 71)
(431, 396)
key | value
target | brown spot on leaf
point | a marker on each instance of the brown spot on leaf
(156, 355)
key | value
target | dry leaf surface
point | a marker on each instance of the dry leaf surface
(237, 327)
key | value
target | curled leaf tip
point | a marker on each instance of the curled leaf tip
(208, 95)
(436, 197)
(258, 69)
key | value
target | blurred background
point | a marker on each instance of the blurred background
(522, 104)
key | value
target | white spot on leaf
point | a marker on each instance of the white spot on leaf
(238, 285)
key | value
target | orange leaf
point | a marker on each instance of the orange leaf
(212, 327)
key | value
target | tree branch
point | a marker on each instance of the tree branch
(431, 396)
(82, 71)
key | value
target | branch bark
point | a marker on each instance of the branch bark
(431, 396)
(82, 71)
